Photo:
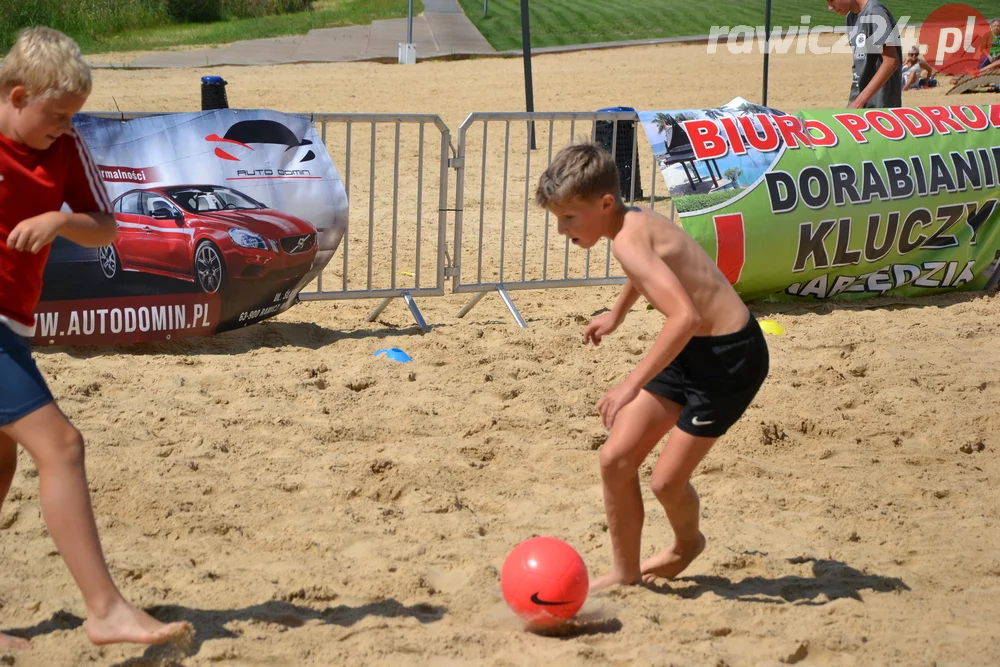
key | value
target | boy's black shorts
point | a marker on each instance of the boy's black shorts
(715, 378)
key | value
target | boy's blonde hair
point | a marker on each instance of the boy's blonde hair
(585, 171)
(47, 63)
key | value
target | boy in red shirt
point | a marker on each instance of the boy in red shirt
(43, 163)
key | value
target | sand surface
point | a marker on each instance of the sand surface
(304, 503)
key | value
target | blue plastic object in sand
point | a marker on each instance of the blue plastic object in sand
(394, 353)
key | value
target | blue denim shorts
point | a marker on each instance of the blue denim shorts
(22, 387)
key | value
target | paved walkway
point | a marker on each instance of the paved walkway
(441, 31)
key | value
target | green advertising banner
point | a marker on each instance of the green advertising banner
(837, 204)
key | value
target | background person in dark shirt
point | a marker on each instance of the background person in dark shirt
(878, 55)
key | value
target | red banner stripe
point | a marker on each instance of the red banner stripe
(730, 243)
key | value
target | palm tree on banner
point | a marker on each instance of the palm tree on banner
(752, 110)
(713, 114)
(749, 108)
(733, 174)
(664, 121)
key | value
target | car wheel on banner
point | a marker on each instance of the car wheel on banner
(209, 270)
(111, 265)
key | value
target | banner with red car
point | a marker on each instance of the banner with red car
(223, 216)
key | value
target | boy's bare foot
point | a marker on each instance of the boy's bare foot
(612, 579)
(672, 561)
(125, 624)
(6, 641)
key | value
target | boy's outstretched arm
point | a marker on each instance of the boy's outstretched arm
(604, 324)
(92, 229)
(651, 277)
(625, 300)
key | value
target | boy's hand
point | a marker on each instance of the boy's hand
(35, 233)
(599, 327)
(615, 400)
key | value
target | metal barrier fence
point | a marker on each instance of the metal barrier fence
(404, 240)
(396, 175)
(503, 241)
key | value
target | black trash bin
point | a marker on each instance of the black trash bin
(623, 146)
(213, 93)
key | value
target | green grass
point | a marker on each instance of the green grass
(325, 14)
(697, 202)
(81, 19)
(120, 25)
(564, 22)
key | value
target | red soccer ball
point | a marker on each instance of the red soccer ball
(544, 581)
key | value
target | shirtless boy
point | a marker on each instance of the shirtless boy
(701, 373)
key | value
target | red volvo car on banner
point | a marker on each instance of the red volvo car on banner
(206, 234)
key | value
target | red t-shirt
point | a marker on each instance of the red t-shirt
(33, 182)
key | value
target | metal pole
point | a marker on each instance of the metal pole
(409, 23)
(486, 7)
(767, 46)
(526, 46)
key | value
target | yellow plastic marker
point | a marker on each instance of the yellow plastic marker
(772, 327)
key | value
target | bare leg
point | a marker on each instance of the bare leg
(681, 455)
(57, 449)
(8, 642)
(8, 464)
(638, 427)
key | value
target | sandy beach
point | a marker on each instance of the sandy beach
(303, 502)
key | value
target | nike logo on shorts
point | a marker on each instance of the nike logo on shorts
(698, 422)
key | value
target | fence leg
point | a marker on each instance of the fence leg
(511, 307)
(417, 316)
(506, 299)
(372, 316)
(472, 304)
(410, 303)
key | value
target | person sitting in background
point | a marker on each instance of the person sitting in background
(992, 60)
(912, 67)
